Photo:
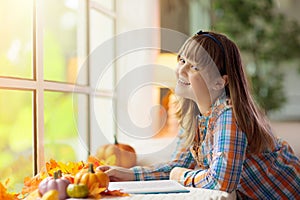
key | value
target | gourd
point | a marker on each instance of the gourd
(91, 177)
(69, 177)
(124, 153)
(54, 183)
(77, 190)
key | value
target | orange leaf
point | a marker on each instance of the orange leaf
(95, 190)
(4, 194)
(31, 184)
(51, 164)
(95, 161)
(115, 193)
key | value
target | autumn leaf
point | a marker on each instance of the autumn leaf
(66, 168)
(71, 167)
(43, 173)
(52, 164)
(31, 184)
(4, 194)
(115, 193)
(95, 190)
(96, 162)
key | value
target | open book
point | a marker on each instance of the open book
(148, 187)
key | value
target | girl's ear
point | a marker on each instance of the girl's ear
(221, 82)
(225, 77)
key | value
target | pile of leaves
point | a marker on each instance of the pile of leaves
(69, 170)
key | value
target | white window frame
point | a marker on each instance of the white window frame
(39, 86)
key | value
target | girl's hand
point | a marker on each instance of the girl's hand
(117, 173)
(176, 174)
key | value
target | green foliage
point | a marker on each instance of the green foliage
(266, 37)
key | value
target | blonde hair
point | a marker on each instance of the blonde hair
(250, 119)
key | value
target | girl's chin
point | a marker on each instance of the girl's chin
(182, 94)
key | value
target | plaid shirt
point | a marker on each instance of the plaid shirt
(219, 160)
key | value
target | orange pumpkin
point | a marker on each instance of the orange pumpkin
(91, 177)
(124, 153)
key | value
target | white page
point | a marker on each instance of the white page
(148, 187)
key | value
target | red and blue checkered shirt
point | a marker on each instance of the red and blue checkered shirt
(219, 160)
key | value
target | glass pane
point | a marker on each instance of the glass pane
(105, 80)
(16, 38)
(102, 51)
(65, 127)
(101, 28)
(102, 123)
(16, 133)
(109, 4)
(61, 58)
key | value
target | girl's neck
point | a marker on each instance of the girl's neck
(206, 106)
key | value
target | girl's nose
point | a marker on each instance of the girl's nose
(182, 69)
(178, 71)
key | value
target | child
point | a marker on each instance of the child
(226, 141)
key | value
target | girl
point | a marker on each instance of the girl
(226, 142)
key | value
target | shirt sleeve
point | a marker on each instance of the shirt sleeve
(180, 158)
(228, 154)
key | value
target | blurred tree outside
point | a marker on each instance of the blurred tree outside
(268, 41)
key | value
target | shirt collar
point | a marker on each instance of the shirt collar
(221, 100)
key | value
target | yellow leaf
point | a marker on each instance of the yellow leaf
(65, 168)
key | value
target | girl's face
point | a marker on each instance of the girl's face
(192, 82)
(198, 76)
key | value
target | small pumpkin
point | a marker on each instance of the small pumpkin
(77, 190)
(125, 154)
(69, 177)
(91, 177)
(54, 183)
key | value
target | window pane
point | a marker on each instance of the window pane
(102, 123)
(102, 51)
(16, 38)
(108, 4)
(16, 132)
(65, 126)
(101, 28)
(61, 53)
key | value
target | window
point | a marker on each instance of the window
(46, 82)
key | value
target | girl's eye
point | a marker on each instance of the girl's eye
(195, 68)
(181, 61)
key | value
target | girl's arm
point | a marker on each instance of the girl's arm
(181, 158)
(228, 154)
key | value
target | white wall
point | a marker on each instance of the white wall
(134, 17)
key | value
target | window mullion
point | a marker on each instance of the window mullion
(39, 91)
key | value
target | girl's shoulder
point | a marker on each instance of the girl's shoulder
(222, 109)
